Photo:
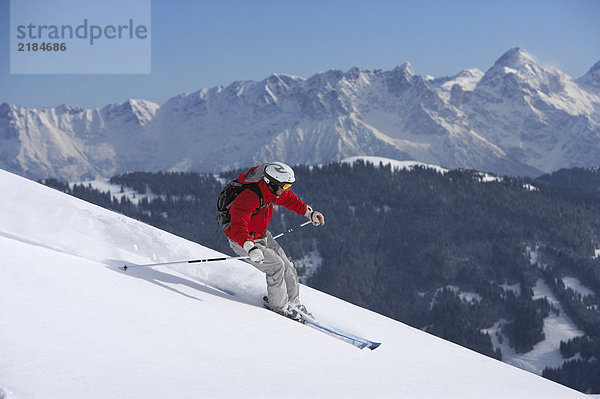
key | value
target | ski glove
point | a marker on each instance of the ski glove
(255, 253)
(315, 217)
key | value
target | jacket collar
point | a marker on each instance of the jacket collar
(268, 196)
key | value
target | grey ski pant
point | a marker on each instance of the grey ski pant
(282, 278)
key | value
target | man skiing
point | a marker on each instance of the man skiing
(248, 234)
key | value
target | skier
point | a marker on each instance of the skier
(248, 234)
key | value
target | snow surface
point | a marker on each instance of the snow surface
(104, 185)
(515, 288)
(395, 165)
(72, 325)
(576, 285)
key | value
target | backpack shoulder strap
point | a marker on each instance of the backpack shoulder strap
(254, 187)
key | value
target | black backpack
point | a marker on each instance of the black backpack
(226, 197)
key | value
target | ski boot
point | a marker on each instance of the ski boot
(288, 311)
(302, 309)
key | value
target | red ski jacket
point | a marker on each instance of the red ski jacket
(246, 226)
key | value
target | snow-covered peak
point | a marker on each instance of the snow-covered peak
(140, 111)
(353, 74)
(405, 69)
(466, 79)
(514, 64)
(280, 82)
(516, 74)
(67, 109)
(325, 79)
(276, 86)
(515, 58)
(354, 80)
(283, 79)
(8, 116)
(526, 109)
(6, 108)
(591, 80)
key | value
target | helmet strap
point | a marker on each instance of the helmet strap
(272, 185)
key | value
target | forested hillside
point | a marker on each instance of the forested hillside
(451, 253)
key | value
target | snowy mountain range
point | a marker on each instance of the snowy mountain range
(73, 325)
(518, 118)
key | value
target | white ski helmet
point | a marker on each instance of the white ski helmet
(279, 174)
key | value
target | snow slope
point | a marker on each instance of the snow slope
(72, 325)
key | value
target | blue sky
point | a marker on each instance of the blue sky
(198, 44)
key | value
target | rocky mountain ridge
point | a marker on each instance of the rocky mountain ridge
(517, 118)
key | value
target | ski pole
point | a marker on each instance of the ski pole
(292, 229)
(125, 267)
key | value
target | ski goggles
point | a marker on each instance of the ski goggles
(274, 184)
(284, 186)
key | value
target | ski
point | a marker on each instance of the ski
(336, 333)
(358, 342)
(310, 321)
